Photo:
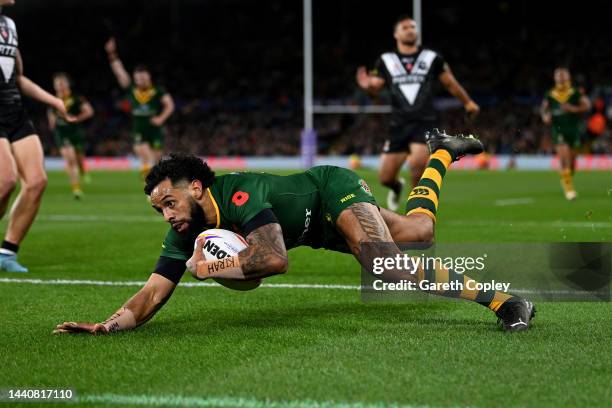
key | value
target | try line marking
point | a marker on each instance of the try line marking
(226, 402)
(82, 282)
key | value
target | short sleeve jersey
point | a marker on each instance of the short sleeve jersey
(564, 122)
(73, 105)
(410, 79)
(144, 105)
(9, 93)
(238, 197)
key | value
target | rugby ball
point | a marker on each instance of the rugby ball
(219, 244)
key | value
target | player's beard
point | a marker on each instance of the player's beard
(411, 42)
(198, 218)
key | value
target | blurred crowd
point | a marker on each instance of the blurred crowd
(237, 76)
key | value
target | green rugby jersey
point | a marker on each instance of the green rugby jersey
(143, 106)
(238, 197)
(564, 123)
(73, 105)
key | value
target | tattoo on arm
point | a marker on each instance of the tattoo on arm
(266, 247)
(371, 222)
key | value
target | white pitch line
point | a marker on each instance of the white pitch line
(98, 218)
(514, 201)
(226, 402)
(475, 223)
(81, 282)
(530, 224)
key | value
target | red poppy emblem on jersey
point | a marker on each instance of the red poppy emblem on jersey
(409, 67)
(4, 34)
(240, 197)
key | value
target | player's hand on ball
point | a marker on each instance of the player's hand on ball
(74, 327)
(198, 256)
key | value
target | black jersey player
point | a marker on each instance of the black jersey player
(21, 153)
(409, 72)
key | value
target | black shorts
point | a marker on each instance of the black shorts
(15, 123)
(402, 133)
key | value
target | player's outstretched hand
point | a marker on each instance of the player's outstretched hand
(111, 46)
(198, 256)
(73, 327)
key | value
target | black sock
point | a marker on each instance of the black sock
(396, 187)
(9, 246)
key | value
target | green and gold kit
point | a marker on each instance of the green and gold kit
(70, 134)
(565, 125)
(144, 104)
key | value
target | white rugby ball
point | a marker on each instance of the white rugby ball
(219, 244)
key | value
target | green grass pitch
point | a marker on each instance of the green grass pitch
(303, 347)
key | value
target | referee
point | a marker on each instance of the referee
(409, 72)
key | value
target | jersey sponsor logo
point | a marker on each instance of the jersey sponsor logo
(408, 75)
(346, 198)
(306, 225)
(365, 186)
(8, 48)
(240, 198)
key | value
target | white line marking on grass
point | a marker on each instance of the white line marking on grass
(530, 224)
(69, 282)
(475, 223)
(98, 218)
(226, 402)
(514, 201)
(81, 282)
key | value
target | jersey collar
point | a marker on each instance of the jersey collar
(214, 202)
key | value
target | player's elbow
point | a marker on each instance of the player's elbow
(278, 265)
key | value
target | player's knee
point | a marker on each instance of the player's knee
(36, 185)
(7, 184)
(425, 233)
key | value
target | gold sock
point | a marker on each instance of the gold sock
(566, 180)
(491, 299)
(424, 196)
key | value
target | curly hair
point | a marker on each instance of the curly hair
(177, 168)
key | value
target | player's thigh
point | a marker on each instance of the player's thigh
(8, 167)
(29, 157)
(362, 222)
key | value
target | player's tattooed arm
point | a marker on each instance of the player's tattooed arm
(138, 310)
(266, 254)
